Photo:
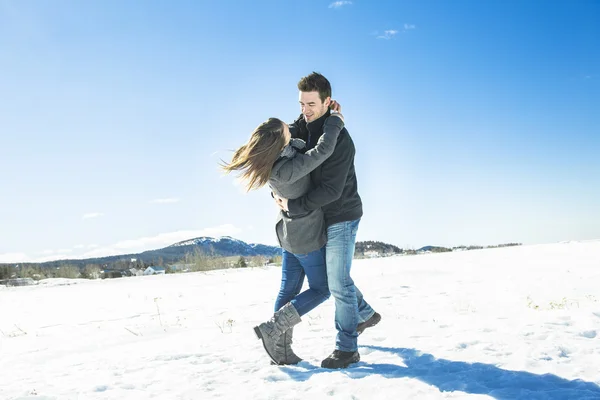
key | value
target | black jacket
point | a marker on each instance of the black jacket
(335, 186)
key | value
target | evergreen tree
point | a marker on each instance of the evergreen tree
(241, 263)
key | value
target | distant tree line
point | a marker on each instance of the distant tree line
(386, 249)
(505, 245)
(476, 247)
(194, 261)
(37, 271)
(438, 249)
(369, 245)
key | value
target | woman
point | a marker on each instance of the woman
(273, 157)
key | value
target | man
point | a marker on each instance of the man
(336, 192)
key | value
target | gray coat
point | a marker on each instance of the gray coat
(290, 179)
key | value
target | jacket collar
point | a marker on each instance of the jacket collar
(315, 128)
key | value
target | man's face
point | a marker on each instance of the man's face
(312, 107)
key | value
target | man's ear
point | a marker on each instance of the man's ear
(327, 101)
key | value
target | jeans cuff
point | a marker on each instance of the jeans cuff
(368, 318)
(342, 349)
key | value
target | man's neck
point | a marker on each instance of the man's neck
(316, 126)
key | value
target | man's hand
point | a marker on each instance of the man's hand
(335, 106)
(281, 202)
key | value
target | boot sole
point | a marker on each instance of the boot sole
(257, 332)
(346, 365)
(369, 326)
(260, 337)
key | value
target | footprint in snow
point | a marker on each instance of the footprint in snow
(588, 334)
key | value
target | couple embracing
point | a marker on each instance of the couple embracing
(309, 166)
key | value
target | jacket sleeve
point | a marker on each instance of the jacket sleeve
(301, 165)
(333, 179)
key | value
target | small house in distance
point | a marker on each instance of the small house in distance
(154, 270)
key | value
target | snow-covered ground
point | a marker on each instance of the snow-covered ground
(511, 323)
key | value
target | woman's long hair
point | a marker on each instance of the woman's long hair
(256, 158)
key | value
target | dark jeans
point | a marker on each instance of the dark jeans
(293, 270)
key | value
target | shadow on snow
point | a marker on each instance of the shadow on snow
(473, 378)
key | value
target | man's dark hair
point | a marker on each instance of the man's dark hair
(315, 82)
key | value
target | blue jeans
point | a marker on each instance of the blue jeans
(350, 306)
(293, 270)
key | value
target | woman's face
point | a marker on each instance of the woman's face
(286, 134)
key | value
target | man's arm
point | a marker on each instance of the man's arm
(333, 179)
(302, 164)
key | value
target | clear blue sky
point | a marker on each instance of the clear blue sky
(475, 122)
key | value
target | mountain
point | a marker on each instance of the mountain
(225, 246)
(219, 247)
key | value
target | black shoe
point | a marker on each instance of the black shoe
(340, 359)
(374, 320)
